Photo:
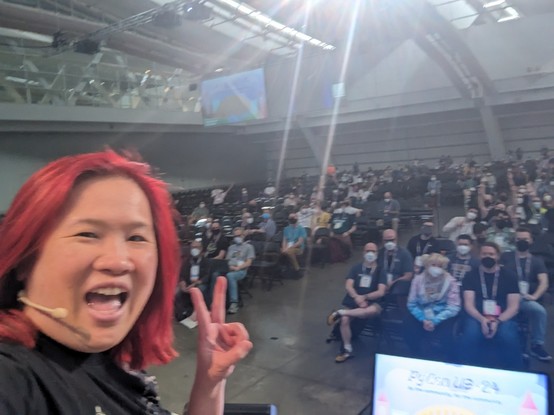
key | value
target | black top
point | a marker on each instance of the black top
(527, 271)
(356, 273)
(417, 246)
(54, 380)
(507, 284)
(214, 245)
(460, 267)
(186, 267)
(342, 222)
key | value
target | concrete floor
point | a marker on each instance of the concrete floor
(291, 366)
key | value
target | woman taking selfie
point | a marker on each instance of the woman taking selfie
(89, 262)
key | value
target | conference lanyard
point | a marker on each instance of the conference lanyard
(494, 284)
(372, 269)
(523, 276)
(418, 248)
(386, 262)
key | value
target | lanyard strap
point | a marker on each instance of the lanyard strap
(372, 269)
(386, 262)
(494, 284)
(523, 276)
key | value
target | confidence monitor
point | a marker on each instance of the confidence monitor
(405, 386)
(234, 98)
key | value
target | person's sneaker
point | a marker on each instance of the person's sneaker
(333, 318)
(538, 352)
(343, 357)
(233, 308)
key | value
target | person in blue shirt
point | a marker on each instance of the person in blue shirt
(294, 241)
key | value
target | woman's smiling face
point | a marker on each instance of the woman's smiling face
(99, 263)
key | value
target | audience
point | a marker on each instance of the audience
(365, 286)
(497, 198)
(532, 278)
(239, 257)
(491, 301)
(433, 301)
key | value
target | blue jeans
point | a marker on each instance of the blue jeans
(537, 319)
(232, 278)
(504, 348)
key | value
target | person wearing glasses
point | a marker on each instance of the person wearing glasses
(365, 286)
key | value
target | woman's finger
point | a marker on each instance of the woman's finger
(218, 302)
(202, 313)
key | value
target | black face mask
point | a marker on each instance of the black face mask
(215, 231)
(426, 231)
(488, 262)
(522, 245)
(293, 221)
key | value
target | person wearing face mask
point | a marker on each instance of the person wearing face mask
(491, 301)
(423, 243)
(548, 215)
(194, 273)
(199, 212)
(533, 283)
(461, 225)
(247, 222)
(502, 232)
(389, 212)
(239, 257)
(462, 261)
(343, 224)
(433, 301)
(214, 243)
(266, 227)
(294, 240)
(535, 212)
(365, 286)
(395, 263)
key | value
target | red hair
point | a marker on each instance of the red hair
(32, 216)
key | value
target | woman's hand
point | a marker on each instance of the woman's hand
(220, 345)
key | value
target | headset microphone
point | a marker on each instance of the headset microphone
(56, 313)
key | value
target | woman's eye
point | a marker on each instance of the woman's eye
(137, 238)
(87, 235)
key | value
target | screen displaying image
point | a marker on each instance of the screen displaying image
(234, 98)
(404, 386)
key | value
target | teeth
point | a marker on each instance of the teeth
(108, 291)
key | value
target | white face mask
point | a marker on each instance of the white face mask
(537, 205)
(435, 271)
(370, 256)
(250, 220)
(519, 200)
(471, 215)
(237, 240)
(389, 246)
(387, 200)
(195, 252)
(547, 198)
(338, 211)
(463, 249)
(202, 205)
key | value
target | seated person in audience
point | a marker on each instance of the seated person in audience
(199, 212)
(365, 286)
(533, 283)
(294, 241)
(480, 234)
(247, 222)
(491, 301)
(461, 225)
(267, 227)
(305, 216)
(433, 301)
(239, 256)
(322, 217)
(194, 273)
(214, 242)
(395, 263)
(501, 231)
(423, 243)
(389, 212)
(463, 260)
(343, 224)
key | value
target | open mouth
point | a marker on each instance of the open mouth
(106, 300)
